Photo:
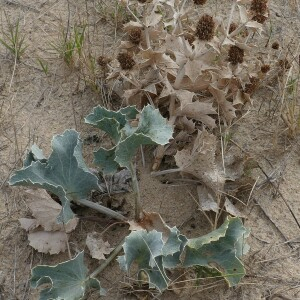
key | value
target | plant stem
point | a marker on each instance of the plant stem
(102, 209)
(136, 189)
(108, 260)
(164, 172)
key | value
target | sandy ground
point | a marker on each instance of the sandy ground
(34, 106)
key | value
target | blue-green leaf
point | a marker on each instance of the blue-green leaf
(152, 129)
(220, 249)
(145, 248)
(64, 174)
(110, 121)
(106, 160)
(34, 154)
(68, 280)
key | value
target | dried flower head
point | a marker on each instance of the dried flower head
(260, 19)
(259, 7)
(190, 38)
(275, 45)
(126, 61)
(284, 64)
(236, 55)
(252, 86)
(205, 28)
(102, 61)
(135, 35)
(265, 68)
(200, 2)
(232, 27)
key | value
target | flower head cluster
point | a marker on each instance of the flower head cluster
(126, 61)
(259, 8)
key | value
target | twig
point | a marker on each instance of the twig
(251, 192)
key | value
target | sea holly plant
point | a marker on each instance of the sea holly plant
(128, 129)
(153, 245)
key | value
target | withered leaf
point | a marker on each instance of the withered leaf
(196, 110)
(200, 161)
(45, 210)
(97, 246)
(231, 209)
(206, 199)
(226, 106)
(48, 242)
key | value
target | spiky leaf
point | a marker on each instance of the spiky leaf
(64, 174)
(152, 129)
(110, 121)
(106, 160)
(220, 249)
(34, 154)
(145, 248)
(68, 280)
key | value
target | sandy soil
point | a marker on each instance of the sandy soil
(34, 106)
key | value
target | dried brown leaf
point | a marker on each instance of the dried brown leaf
(183, 123)
(201, 84)
(28, 224)
(97, 246)
(48, 242)
(160, 59)
(45, 210)
(207, 201)
(231, 209)
(200, 161)
(227, 107)
(152, 19)
(197, 110)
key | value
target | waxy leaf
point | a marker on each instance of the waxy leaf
(145, 248)
(65, 173)
(150, 129)
(34, 154)
(220, 249)
(68, 280)
(110, 121)
(106, 160)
